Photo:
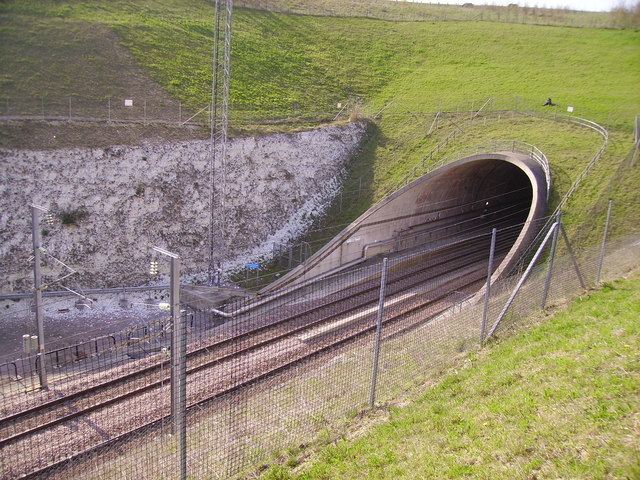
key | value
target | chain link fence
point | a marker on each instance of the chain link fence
(263, 377)
(154, 111)
(446, 112)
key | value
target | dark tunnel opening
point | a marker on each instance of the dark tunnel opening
(467, 202)
(459, 202)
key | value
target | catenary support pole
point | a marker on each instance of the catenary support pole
(552, 257)
(487, 291)
(178, 362)
(376, 345)
(603, 247)
(523, 279)
(36, 212)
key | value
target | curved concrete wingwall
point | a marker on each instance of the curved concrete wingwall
(506, 190)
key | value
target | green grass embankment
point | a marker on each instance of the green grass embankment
(303, 66)
(558, 401)
(294, 63)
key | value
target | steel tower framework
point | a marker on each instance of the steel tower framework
(219, 120)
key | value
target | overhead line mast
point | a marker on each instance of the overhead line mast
(219, 120)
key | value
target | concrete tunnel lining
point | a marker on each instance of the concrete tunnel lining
(502, 189)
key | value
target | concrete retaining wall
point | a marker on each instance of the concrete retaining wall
(438, 206)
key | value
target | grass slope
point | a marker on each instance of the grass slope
(296, 65)
(283, 62)
(558, 401)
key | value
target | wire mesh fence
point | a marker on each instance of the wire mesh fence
(443, 112)
(149, 111)
(265, 376)
(117, 110)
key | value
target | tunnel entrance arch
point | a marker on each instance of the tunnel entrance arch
(506, 190)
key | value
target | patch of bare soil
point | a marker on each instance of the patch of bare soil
(38, 135)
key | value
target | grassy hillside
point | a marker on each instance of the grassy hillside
(296, 65)
(559, 401)
(291, 65)
(288, 62)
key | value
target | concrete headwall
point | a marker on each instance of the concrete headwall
(442, 204)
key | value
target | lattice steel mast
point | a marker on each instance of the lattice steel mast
(220, 85)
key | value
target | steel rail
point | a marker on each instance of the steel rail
(471, 230)
(150, 370)
(205, 349)
(196, 406)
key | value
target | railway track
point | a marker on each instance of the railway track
(352, 298)
(268, 349)
(113, 363)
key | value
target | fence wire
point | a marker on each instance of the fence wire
(267, 376)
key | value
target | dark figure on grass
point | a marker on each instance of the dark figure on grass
(549, 103)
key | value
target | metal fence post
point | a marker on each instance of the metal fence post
(523, 279)
(109, 110)
(178, 363)
(145, 111)
(69, 108)
(572, 255)
(487, 292)
(180, 329)
(42, 104)
(37, 277)
(554, 244)
(604, 244)
(376, 345)
(179, 112)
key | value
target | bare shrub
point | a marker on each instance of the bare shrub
(626, 16)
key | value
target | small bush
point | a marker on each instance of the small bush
(355, 114)
(627, 16)
(73, 217)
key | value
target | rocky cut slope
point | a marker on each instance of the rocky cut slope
(110, 205)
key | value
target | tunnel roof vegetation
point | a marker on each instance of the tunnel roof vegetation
(293, 65)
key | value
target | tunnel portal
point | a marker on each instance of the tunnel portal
(459, 201)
